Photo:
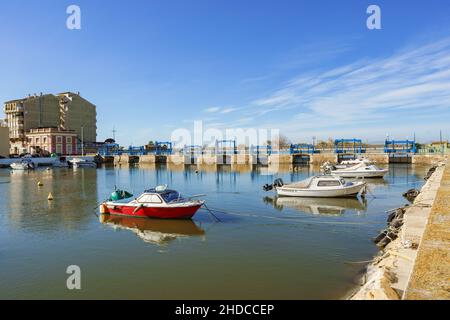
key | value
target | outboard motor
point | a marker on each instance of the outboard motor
(277, 183)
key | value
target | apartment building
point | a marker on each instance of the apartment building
(4, 139)
(65, 111)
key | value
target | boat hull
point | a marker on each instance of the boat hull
(359, 174)
(19, 166)
(351, 191)
(181, 212)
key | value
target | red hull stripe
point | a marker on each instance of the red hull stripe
(153, 212)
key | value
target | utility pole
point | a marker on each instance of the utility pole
(82, 141)
(114, 133)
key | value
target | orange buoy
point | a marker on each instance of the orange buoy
(40, 184)
(50, 197)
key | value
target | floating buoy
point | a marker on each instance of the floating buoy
(50, 197)
(40, 184)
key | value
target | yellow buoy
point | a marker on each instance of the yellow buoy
(50, 197)
(40, 184)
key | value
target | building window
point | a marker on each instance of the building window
(59, 148)
(58, 139)
(69, 139)
(45, 140)
(37, 140)
(69, 149)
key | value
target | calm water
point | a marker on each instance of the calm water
(263, 247)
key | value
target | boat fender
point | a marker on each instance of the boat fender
(104, 209)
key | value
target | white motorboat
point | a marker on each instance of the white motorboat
(361, 170)
(24, 164)
(318, 187)
(347, 163)
(83, 163)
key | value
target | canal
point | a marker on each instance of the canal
(263, 248)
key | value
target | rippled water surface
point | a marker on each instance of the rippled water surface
(264, 247)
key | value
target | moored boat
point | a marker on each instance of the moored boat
(159, 202)
(83, 163)
(319, 187)
(361, 170)
(24, 164)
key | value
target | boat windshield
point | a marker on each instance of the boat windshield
(171, 196)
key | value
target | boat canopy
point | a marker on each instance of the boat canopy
(168, 195)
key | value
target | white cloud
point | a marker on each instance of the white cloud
(212, 109)
(369, 92)
(228, 110)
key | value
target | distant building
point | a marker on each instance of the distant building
(65, 111)
(4, 139)
(46, 141)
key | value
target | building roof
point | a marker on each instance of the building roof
(34, 96)
(47, 130)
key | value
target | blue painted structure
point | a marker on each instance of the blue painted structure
(341, 146)
(109, 149)
(221, 146)
(302, 149)
(264, 150)
(400, 146)
(163, 148)
(135, 151)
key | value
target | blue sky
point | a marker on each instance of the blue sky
(308, 68)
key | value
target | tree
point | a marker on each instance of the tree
(281, 142)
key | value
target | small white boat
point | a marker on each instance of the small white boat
(24, 164)
(361, 170)
(351, 163)
(83, 163)
(347, 163)
(319, 187)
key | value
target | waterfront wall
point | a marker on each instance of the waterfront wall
(430, 277)
(415, 265)
(428, 159)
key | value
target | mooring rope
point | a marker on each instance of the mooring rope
(285, 219)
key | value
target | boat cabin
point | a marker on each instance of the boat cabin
(320, 182)
(163, 196)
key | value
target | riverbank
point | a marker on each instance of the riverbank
(398, 271)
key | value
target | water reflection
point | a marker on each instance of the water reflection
(318, 206)
(154, 231)
(74, 192)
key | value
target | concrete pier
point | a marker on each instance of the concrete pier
(415, 265)
(125, 159)
(430, 277)
(242, 158)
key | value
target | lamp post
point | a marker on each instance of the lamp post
(82, 140)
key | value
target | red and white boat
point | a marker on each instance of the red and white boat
(160, 203)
